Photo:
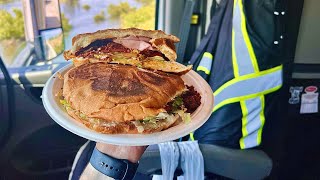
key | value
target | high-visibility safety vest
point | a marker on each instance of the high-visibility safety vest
(205, 63)
(249, 85)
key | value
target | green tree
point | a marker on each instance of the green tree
(143, 18)
(5, 1)
(86, 7)
(65, 23)
(70, 3)
(145, 2)
(99, 17)
(11, 26)
(115, 11)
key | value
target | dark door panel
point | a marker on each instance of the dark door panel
(6, 99)
(4, 114)
(47, 152)
(37, 147)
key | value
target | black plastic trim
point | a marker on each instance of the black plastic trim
(306, 68)
(156, 15)
(11, 101)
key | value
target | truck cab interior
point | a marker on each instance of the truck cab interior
(34, 34)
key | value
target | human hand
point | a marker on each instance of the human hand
(130, 153)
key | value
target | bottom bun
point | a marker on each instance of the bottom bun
(127, 127)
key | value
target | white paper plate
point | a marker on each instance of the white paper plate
(58, 114)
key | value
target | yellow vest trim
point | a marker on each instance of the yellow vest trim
(208, 55)
(247, 39)
(242, 145)
(191, 136)
(244, 117)
(262, 118)
(237, 99)
(204, 69)
(248, 76)
(244, 121)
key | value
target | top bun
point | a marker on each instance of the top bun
(163, 44)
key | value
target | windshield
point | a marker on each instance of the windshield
(77, 16)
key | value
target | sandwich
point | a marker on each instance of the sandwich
(117, 92)
(113, 99)
(148, 49)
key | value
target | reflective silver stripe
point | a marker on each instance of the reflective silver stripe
(243, 59)
(248, 91)
(253, 119)
(251, 140)
(205, 63)
(249, 86)
(252, 122)
(245, 66)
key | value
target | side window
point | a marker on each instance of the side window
(12, 33)
(90, 16)
(76, 16)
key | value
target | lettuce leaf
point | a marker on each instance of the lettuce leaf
(177, 103)
(154, 119)
(186, 117)
(64, 103)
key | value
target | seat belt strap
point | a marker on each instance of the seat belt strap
(184, 29)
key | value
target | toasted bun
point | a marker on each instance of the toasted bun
(165, 47)
(125, 127)
(119, 93)
(166, 66)
(149, 63)
(84, 40)
(80, 61)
